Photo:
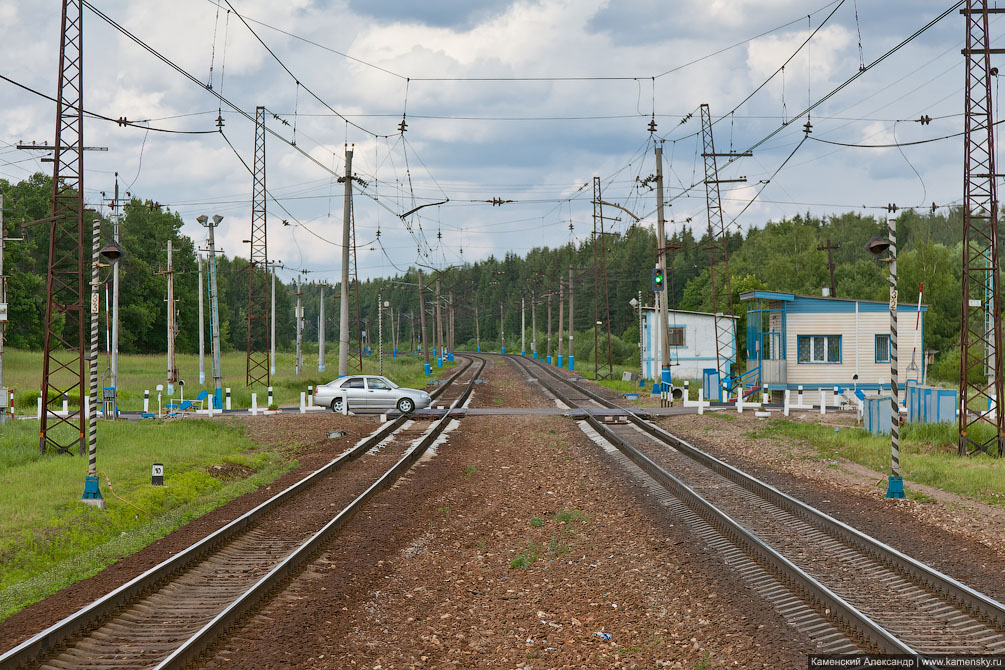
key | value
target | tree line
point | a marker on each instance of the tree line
(780, 255)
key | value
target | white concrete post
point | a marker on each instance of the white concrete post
(765, 395)
(209, 405)
(38, 413)
(687, 390)
(310, 392)
(228, 398)
(345, 402)
(254, 404)
(823, 401)
(788, 396)
(739, 401)
(146, 401)
(66, 405)
(303, 402)
(270, 398)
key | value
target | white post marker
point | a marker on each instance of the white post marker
(345, 402)
(38, 414)
(146, 401)
(269, 406)
(823, 401)
(310, 396)
(157, 474)
(739, 401)
(228, 398)
(254, 404)
(209, 406)
(788, 397)
(66, 405)
(765, 395)
(799, 396)
(303, 402)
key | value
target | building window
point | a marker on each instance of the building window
(882, 348)
(819, 348)
(675, 336)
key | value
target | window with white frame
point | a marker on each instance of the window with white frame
(819, 348)
(675, 336)
(882, 348)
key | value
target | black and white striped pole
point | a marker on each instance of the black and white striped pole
(895, 486)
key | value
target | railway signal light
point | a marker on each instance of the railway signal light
(657, 277)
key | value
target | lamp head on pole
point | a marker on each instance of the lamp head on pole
(217, 219)
(111, 252)
(202, 219)
(877, 245)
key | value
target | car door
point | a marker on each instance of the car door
(380, 393)
(355, 389)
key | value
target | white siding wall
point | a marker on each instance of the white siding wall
(858, 345)
(699, 343)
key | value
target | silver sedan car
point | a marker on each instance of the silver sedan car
(369, 392)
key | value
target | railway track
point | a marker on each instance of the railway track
(880, 599)
(167, 616)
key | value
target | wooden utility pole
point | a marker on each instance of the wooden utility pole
(830, 261)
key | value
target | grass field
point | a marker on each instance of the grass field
(23, 373)
(927, 455)
(48, 539)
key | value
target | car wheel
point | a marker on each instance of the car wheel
(406, 405)
(337, 405)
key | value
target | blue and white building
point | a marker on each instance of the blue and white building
(822, 342)
(692, 343)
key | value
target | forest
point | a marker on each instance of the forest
(786, 255)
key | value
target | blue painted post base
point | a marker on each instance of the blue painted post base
(535, 355)
(394, 353)
(895, 487)
(218, 400)
(549, 360)
(439, 362)
(503, 350)
(572, 362)
(434, 352)
(450, 357)
(92, 495)
(559, 360)
(523, 352)
(427, 368)
(478, 350)
(321, 368)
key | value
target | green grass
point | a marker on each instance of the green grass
(23, 373)
(536, 522)
(49, 539)
(526, 558)
(927, 455)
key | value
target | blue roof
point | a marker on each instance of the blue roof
(807, 303)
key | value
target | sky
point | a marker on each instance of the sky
(522, 101)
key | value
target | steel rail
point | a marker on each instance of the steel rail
(825, 600)
(200, 641)
(47, 640)
(980, 605)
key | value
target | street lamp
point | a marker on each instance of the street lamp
(111, 254)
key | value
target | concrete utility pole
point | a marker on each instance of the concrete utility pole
(172, 327)
(523, 326)
(300, 328)
(422, 325)
(321, 332)
(451, 319)
(533, 324)
(439, 323)
(91, 481)
(478, 335)
(549, 330)
(214, 309)
(343, 321)
(115, 290)
(661, 262)
(895, 485)
(202, 328)
(502, 329)
(380, 334)
(272, 331)
(561, 313)
(572, 327)
(3, 314)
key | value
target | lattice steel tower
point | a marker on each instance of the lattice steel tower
(981, 342)
(600, 370)
(63, 361)
(258, 268)
(718, 256)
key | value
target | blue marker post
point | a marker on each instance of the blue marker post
(560, 360)
(428, 370)
(572, 362)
